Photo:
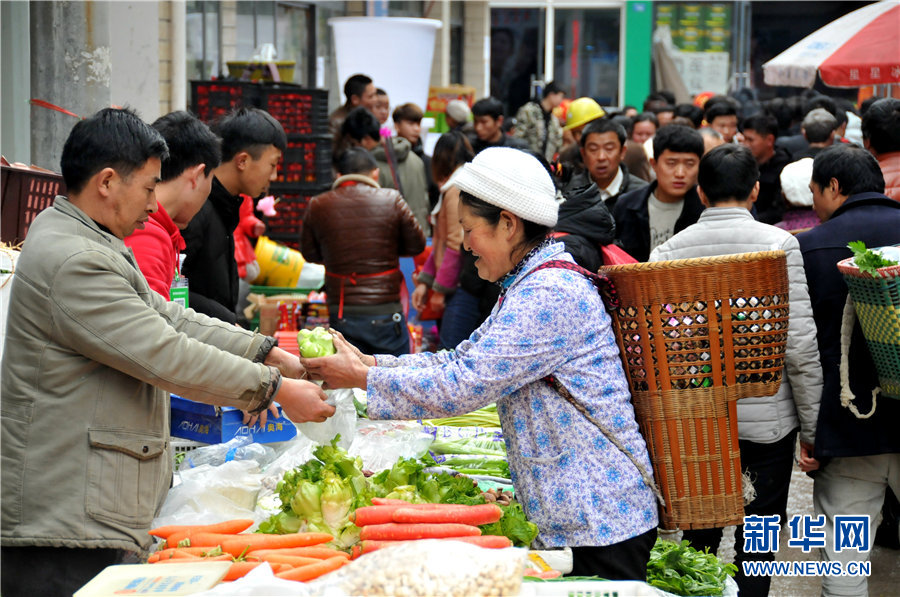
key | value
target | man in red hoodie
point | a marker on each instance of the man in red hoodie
(194, 151)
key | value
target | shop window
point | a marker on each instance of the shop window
(255, 26)
(517, 41)
(202, 31)
(586, 53)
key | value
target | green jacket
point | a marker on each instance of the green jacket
(411, 171)
(90, 356)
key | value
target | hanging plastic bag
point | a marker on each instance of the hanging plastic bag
(343, 421)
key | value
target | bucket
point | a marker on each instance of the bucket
(395, 52)
(278, 265)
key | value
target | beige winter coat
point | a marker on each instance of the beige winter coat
(90, 356)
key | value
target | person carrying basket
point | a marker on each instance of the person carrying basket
(547, 356)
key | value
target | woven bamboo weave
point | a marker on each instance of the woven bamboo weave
(877, 304)
(695, 335)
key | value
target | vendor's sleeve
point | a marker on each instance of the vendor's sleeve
(98, 313)
(527, 340)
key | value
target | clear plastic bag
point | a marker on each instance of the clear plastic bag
(381, 444)
(430, 567)
(343, 421)
(241, 447)
(209, 494)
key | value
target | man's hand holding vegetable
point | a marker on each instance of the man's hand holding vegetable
(290, 367)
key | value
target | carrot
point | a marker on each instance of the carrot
(381, 514)
(240, 569)
(194, 559)
(237, 545)
(229, 526)
(356, 551)
(313, 551)
(487, 541)
(473, 515)
(545, 574)
(395, 531)
(275, 558)
(312, 571)
(166, 554)
(203, 539)
(376, 501)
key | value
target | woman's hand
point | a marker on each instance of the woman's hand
(418, 297)
(348, 368)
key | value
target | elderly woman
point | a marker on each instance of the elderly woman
(573, 482)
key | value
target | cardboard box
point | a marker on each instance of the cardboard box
(201, 422)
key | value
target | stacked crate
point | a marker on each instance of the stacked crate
(305, 167)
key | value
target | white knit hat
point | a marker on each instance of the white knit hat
(512, 180)
(795, 179)
(458, 110)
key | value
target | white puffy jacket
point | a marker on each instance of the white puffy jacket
(729, 230)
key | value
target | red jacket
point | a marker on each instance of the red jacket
(243, 248)
(890, 167)
(156, 250)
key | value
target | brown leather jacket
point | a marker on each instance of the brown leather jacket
(358, 231)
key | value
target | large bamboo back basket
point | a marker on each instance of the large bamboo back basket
(695, 335)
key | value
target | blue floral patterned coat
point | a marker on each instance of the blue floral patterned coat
(577, 487)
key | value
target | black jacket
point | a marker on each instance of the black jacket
(585, 222)
(632, 216)
(209, 262)
(874, 219)
(770, 205)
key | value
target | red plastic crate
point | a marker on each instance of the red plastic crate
(211, 99)
(25, 193)
(291, 208)
(307, 161)
(300, 111)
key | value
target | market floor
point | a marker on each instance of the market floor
(883, 582)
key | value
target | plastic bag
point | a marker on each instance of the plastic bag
(381, 444)
(343, 422)
(209, 494)
(241, 447)
(428, 567)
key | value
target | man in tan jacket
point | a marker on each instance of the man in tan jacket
(91, 355)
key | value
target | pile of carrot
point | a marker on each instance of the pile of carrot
(294, 556)
(388, 522)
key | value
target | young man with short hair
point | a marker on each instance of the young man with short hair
(758, 135)
(186, 180)
(647, 217)
(721, 115)
(408, 123)
(537, 125)
(252, 144)
(860, 457)
(89, 363)
(488, 113)
(602, 149)
(359, 91)
(767, 425)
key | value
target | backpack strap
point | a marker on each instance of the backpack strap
(604, 285)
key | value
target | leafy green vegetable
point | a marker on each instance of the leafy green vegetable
(679, 568)
(477, 464)
(483, 417)
(513, 524)
(321, 494)
(469, 445)
(867, 260)
(315, 343)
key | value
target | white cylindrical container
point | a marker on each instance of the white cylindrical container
(395, 52)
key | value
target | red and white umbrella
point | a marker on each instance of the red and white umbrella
(860, 48)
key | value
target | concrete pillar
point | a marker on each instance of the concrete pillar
(15, 129)
(70, 67)
(477, 47)
(134, 57)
